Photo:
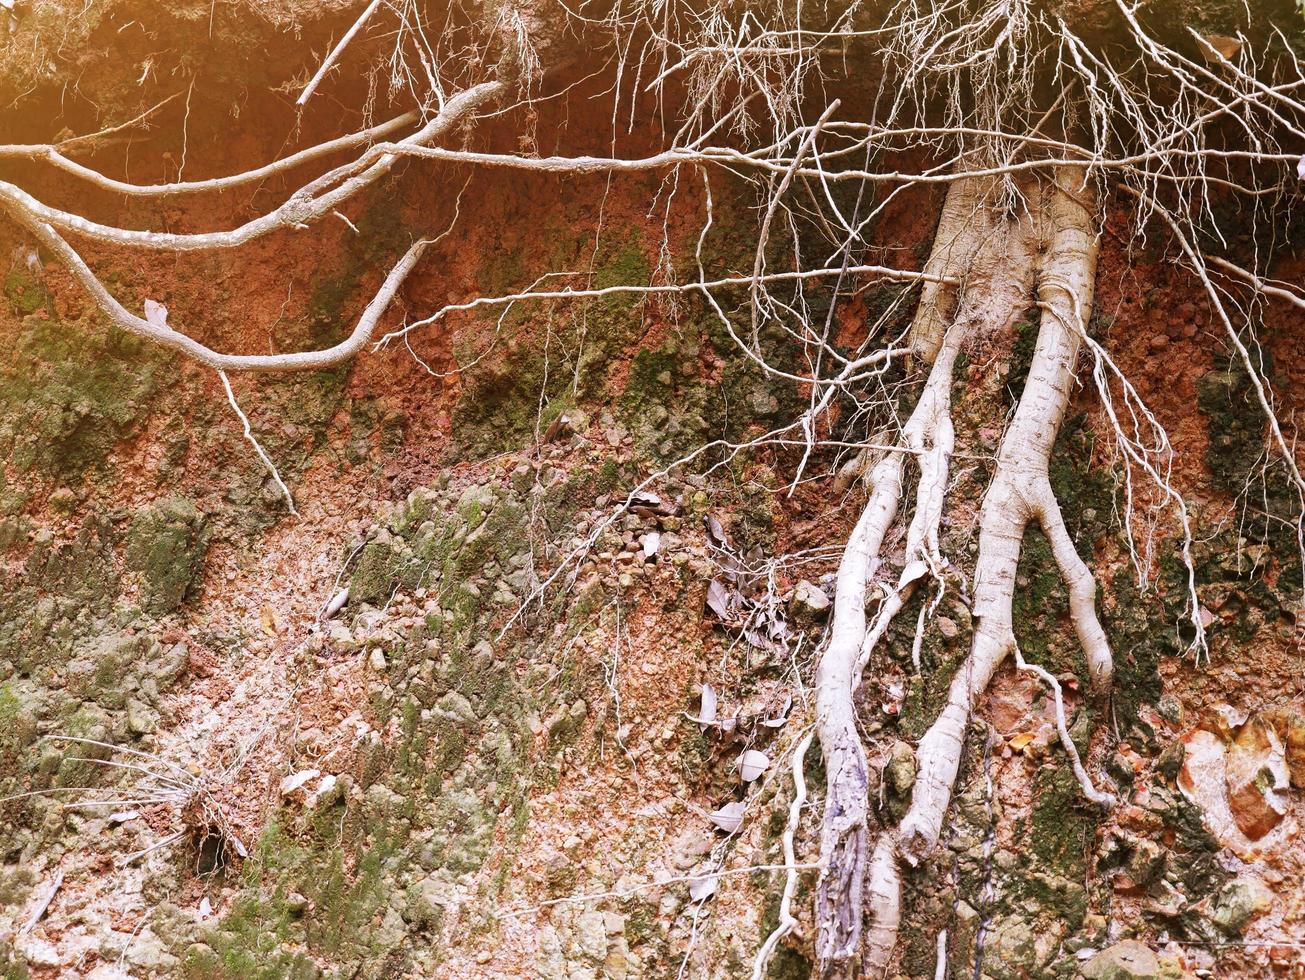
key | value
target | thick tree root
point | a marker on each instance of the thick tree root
(998, 261)
(967, 232)
(1020, 493)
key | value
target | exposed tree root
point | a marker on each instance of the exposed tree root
(1020, 493)
(1048, 250)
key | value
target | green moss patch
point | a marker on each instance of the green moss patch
(71, 392)
(166, 545)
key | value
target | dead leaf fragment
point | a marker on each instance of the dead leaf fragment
(720, 599)
(560, 426)
(701, 889)
(1220, 47)
(716, 532)
(336, 604)
(156, 314)
(728, 818)
(707, 711)
(752, 764)
(782, 716)
(270, 622)
(295, 780)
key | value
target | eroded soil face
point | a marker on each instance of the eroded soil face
(428, 781)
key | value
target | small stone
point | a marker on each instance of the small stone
(1170, 763)
(376, 659)
(1257, 778)
(1223, 720)
(690, 847)
(1129, 960)
(148, 953)
(1295, 742)
(1171, 709)
(947, 627)
(141, 720)
(1238, 902)
(809, 601)
(591, 935)
(455, 707)
(1146, 862)
(1290, 726)
(900, 770)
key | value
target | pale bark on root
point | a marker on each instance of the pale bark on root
(928, 436)
(843, 838)
(839, 895)
(1019, 494)
(308, 204)
(963, 227)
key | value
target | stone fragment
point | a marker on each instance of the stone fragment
(591, 936)
(809, 601)
(1257, 778)
(900, 770)
(1290, 726)
(1223, 720)
(1145, 862)
(1129, 960)
(166, 545)
(690, 847)
(1238, 902)
(141, 720)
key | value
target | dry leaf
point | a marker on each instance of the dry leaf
(701, 889)
(271, 625)
(296, 780)
(336, 604)
(728, 818)
(752, 764)
(559, 426)
(782, 717)
(720, 599)
(707, 712)
(122, 816)
(156, 314)
(1226, 47)
(716, 532)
